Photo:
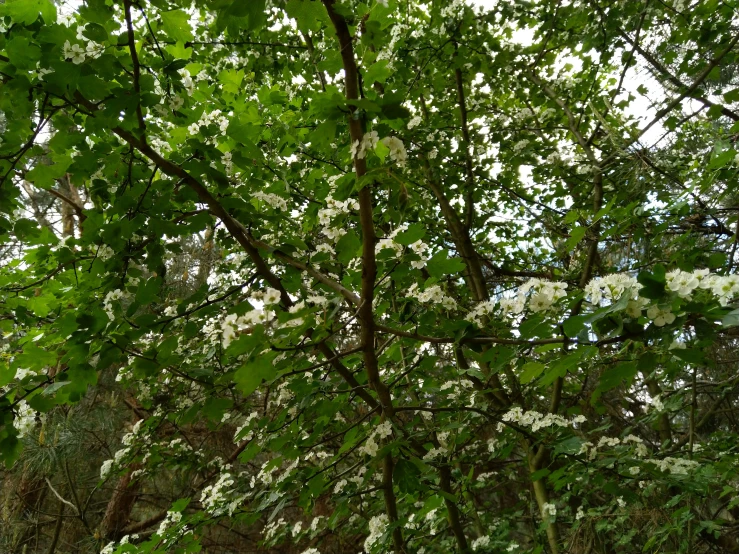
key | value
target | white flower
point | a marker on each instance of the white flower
(397, 150)
(377, 527)
(512, 306)
(657, 403)
(382, 2)
(682, 282)
(272, 296)
(76, 53)
(340, 486)
(434, 453)
(481, 542)
(271, 199)
(611, 287)
(415, 122)
(677, 345)
(659, 316)
(42, 72)
(548, 510)
(370, 447)
(520, 145)
(105, 252)
(384, 429)
(94, 50)
(176, 102)
(106, 468)
(67, 50)
(635, 307)
(539, 302)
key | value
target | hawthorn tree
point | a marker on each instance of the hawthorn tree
(323, 277)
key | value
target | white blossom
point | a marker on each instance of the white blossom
(397, 150)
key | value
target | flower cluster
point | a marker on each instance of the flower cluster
(725, 288)
(675, 466)
(240, 430)
(78, 54)
(541, 296)
(220, 498)
(591, 450)
(335, 208)
(113, 296)
(419, 247)
(542, 293)
(172, 519)
(415, 122)
(105, 252)
(395, 146)
(272, 199)
(481, 311)
(377, 527)
(233, 323)
(536, 420)
(187, 83)
(215, 117)
(432, 295)
(611, 287)
(548, 511)
(369, 141)
(25, 419)
(481, 542)
(397, 150)
(370, 446)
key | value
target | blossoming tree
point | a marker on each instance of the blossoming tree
(324, 277)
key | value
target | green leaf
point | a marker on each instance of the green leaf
(249, 376)
(415, 232)
(148, 291)
(22, 52)
(381, 150)
(540, 474)
(690, 355)
(407, 476)
(574, 324)
(378, 72)
(498, 356)
(440, 264)
(617, 375)
(576, 235)
(45, 176)
(309, 14)
(215, 407)
(348, 247)
(34, 358)
(95, 32)
(51, 389)
(26, 12)
(530, 371)
(177, 25)
(731, 96)
(653, 283)
(731, 319)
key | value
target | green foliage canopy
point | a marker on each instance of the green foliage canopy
(412, 276)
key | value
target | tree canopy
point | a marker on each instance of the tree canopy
(369, 276)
